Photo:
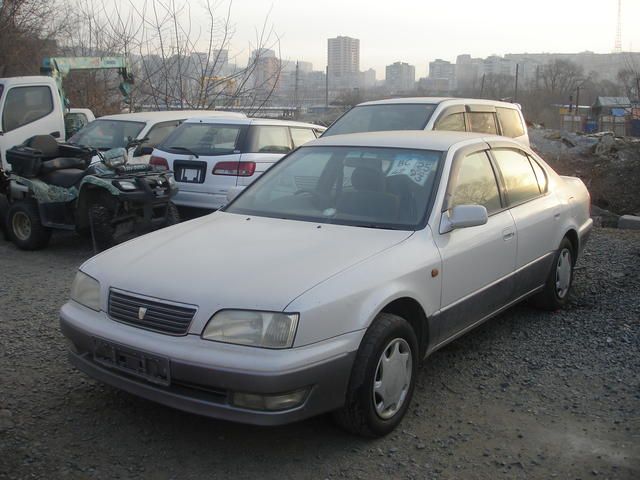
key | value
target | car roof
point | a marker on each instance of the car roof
(418, 139)
(170, 115)
(253, 121)
(437, 100)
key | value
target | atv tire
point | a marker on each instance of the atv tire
(25, 228)
(173, 216)
(103, 229)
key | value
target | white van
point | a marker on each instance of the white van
(434, 113)
(212, 157)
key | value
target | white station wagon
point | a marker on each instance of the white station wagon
(324, 283)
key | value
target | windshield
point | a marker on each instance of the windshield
(360, 186)
(107, 134)
(378, 118)
(205, 138)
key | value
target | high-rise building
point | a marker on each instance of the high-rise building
(266, 69)
(441, 71)
(400, 77)
(368, 78)
(343, 60)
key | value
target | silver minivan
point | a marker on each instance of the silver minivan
(435, 113)
(213, 158)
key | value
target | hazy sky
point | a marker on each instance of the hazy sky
(418, 31)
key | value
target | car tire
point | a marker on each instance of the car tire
(389, 346)
(102, 227)
(24, 226)
(557, 289)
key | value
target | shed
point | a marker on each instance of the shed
(606, 105)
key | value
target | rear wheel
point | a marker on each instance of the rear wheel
(558, 286)
(383, 378)
(25, 227)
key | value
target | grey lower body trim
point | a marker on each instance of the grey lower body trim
(205, 390)
(471, 311)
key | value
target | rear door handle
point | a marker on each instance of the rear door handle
(508, 234)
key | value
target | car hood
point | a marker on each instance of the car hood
(226, 260)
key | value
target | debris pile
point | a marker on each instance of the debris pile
(607, 164)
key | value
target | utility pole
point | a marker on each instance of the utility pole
(515, 95)
(482, 86)
(578, 100)
(295, 92)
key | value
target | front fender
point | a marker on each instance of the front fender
(351, 300)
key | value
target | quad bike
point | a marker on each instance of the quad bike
(54, 185)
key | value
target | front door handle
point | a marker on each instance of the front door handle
(508, 234)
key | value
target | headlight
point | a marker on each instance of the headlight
(125, 185)
(256, 329)
(86, 291)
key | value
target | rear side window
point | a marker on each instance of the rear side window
(518, 175)
(510, 122)
(475, 183)
(541, 176)
(205, 138)
(271, 139)
(300, 136)
(482, 122)
(24, 105)
(452, 123)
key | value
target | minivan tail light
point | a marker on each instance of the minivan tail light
(159, 162)
(237, 169)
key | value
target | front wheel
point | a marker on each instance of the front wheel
(25, 227)
(557, 289)
(383, 378)
(102, 228)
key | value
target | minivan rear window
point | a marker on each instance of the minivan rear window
(510, 122)
(207, 139)
(378, 118)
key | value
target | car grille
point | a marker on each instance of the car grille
(159, 316)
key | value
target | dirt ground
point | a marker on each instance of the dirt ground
(527, 395)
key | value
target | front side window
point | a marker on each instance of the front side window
(474, 183)
(207, 139)
(24, 105)
(482, 122)
(518, 175)
(452, 123)
(107, 134)
(300, 136)
(510, 122)
(271, 139)
(377, 118)
(359, 186)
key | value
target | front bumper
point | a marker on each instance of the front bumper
(205, 374)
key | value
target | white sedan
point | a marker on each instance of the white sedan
(324, 283)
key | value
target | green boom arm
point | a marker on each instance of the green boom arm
(59, 67)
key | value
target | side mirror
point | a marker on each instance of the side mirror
(232, 193)
(463, 216)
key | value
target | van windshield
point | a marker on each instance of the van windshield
(370, 187)
(107, 134)
(378, 118)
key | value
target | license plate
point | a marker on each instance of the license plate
(190, 175)
(150, 367)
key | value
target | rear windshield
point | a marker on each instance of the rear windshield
(205, 138)
(377, 118)
(107, 134)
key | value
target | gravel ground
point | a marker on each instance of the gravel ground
(527, 395)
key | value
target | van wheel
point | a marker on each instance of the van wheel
(557, 289)
(103, 229)
(25, 227)
(383, 378)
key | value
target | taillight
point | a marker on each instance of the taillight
(237, 169)
(159, 162)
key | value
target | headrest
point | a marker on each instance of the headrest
(367, 179)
